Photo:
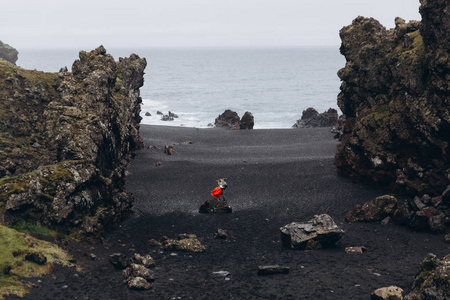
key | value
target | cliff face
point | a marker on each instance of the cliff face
(66, 139)
(8, 53)
(395, 94)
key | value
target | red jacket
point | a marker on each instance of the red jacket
(217, 192)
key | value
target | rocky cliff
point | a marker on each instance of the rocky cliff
(395, 94)
(8, 53)
(66, 139)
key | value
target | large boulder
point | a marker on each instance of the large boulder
(320, 232)
(395, 93)
(375, 210)
(63, 155)
(432, 281)
(8, 53)
(312, 118)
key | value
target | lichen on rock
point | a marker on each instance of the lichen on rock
(66, 139)
(395, 94)
(433, 279)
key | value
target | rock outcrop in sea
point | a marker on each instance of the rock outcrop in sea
(231, 120)
(8, 53)
(395, 94)
(66, 139)
(312, 118)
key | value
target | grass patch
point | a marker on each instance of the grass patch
(14, 247)
(33, 228)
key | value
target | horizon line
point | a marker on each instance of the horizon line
(180, 47)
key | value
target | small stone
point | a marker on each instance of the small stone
(387, 293)
(136, 270)
(386, 221)
(221, 273)
(153, 243)
(223, 234)
(37, 258)
(272, 269)
(139, 283)
(6, 270)
(118, 260)
(355, 249)
(146, 260)
(447, 238)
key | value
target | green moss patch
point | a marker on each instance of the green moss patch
(14, 247)
(415, 49)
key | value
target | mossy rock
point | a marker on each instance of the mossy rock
(66, 139)
(394, 93)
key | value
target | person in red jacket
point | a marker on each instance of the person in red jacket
(218, 191)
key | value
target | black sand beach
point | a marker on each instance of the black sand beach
(275, 177)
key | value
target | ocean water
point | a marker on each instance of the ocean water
(198, 84)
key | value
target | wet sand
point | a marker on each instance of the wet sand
(275, 177)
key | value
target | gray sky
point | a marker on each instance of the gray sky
(164, 23)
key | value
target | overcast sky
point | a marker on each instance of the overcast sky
(166, 23)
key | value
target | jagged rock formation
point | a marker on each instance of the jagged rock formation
(247, 121)
(424, 213)
(432, 281)
(66, 139)
(8, 53)
(312, 118)
(395, 94)
(230, 119)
